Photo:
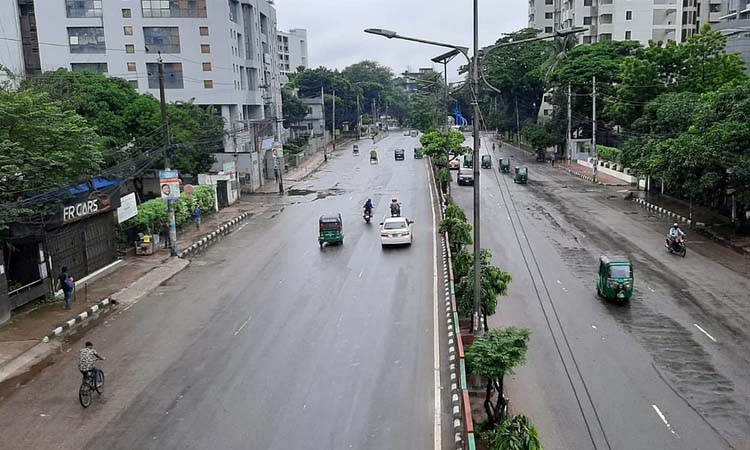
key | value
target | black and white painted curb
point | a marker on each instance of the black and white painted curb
(581, 176)
(213, 237)
(102, 305)
(666, 213)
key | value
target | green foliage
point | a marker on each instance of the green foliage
(459, 232)
(605, 153)
(494, 354)
(294, 109)
(42, 147)
(437, 145)
(153, 214)
(455, 212)
(494, 283)
(516, 433)
(541, 136)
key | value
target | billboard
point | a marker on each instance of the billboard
(169, 184)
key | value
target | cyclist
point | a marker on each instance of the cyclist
(86, 359)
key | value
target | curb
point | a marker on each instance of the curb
(102, 305)
(583, 177)
(213, 237)
(698, 226)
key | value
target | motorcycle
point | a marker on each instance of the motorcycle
(676, 245)
(395, 210)
(367, 215)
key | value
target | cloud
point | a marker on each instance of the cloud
(336, 38)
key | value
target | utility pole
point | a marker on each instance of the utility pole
(518, 126)
(325, 144)
(386, 114)
(333, 122)
(570, 126)
(359, 121)
(477, 223)
(593, 134)
(373, 117)
(167, 159)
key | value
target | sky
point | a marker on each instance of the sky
(336, 38)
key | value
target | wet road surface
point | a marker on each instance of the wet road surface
(668, 370)
(267, 341)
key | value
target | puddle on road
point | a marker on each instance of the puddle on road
(296, 192)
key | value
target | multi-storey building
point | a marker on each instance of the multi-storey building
(292, 49)
(219, 53)
(637, 20)
(735, 24)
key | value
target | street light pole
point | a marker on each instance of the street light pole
(477, 324)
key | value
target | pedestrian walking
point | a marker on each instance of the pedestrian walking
(165, 231)
(197, 217)
(552, 158)
(67, 284)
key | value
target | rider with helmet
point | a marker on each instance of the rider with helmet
(674, 233)
(395, 207)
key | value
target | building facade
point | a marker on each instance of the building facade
(735, 25)
(632, 20)
(292, 50)
(215, 53)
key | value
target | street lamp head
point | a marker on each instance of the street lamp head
(574, 30)
(381, 32)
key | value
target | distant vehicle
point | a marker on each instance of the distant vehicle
(414, 133)
(399, 154)
(521, 175)
(395, 231)
(468, 160)
(615, 280)
(330, 230)
(454, 163)
(465, 176)
(418, 153)
(486, 162)
(407, 132)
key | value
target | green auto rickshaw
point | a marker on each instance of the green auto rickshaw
(521, 175)
(418, 153)
(505, 165)
(615, 280)
(331, 229)
(486, 162)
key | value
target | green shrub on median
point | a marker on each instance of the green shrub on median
(153, 214)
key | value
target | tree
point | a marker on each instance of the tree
(492, 356)
(494, 283)
(42, 147)
(438, 146)
(459, 232)
(294, 108)
(557, 51)
(516, 433)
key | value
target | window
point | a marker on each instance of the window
(127, 31)
(548, 30)
(83, 8)
(548, 2)
(173, 8)
(86, 40)
(133, 83)
(203, 31)
(162, 39)
(233, 10)
(126, 13)
(627, 35)
(129, 48)
(587, 20)
(628, 15)
(548, 15)
(172, 75)
(208, 84)
(131, 67)
(89, 67)
(206, 66)
(205, 48)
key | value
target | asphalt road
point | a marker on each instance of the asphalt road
(267, 341)
(668, 370)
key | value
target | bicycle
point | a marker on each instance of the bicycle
(89, 384)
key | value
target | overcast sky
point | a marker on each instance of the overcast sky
(336, 38)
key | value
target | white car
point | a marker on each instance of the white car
(454, 163)
(395, 231)
(407, 132)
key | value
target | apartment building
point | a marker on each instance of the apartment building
(735, 24)
(637, 20)
(219, 53)
(292, 49)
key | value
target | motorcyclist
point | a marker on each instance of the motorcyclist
(674, 233)
(395, 207)
(368, 206)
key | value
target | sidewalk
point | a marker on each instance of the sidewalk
(587, 173)
(706, 220)
(26, 329)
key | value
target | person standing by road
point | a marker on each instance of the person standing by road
(67, 285)
(197, 217)
(552, 158)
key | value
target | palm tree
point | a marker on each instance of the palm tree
(516, 433)
(558, 51)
